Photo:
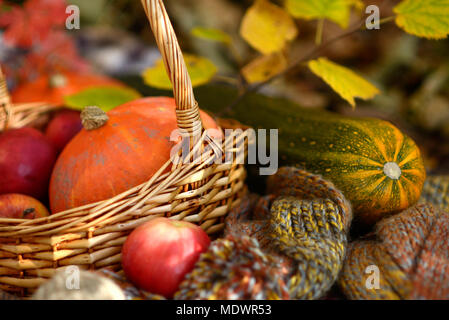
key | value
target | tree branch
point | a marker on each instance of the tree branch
(311, 54)
(359, 26)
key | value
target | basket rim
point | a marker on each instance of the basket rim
(163, 187)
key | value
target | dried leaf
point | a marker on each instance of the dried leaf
(201, 71)
(424, 18)
(265, 67)
(267, 27)
(32, 22)
(344, 81)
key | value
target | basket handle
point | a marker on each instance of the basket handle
(187, 111)
(5, 100)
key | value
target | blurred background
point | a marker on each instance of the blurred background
(115, 38)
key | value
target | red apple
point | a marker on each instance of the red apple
(157, 255)
(26, 162)
(63, 127)
(19, 206)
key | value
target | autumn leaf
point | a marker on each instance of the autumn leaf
(201, 71)
(342, 80)
(32, 22)
(267, 27)
(16, 33)
(337, 11)
(265, 67)
(424, 18)
(105, 98)
(211, 34)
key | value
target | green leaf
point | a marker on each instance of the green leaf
(267, 27)
(211, 35)
(344, 81)
(105, 98)
(337, 11)
(424, 18)
(201, 71)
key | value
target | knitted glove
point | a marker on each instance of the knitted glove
(411, 252)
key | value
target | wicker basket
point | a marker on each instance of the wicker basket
(91, 236)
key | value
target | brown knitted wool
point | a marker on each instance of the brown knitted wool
(436, 191)
(289, 181)
(410, 252)
(235, 268)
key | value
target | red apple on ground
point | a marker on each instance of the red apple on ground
(26, 162)
(158, 254)
(19, 206)
(63, 127)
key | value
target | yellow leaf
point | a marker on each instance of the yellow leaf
(338, 11)
(358, 5)
(267, 27)
(345, 82)
(265, 67)
(424, 18)
(201, 71)
(211, 34)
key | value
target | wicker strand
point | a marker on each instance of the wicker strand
(190, 120)
(173, 61)
(5, 101)
(187, 111)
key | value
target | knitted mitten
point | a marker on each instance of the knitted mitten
(410, 252)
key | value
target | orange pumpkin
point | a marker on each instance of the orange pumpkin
(126, 151)
(54, 88)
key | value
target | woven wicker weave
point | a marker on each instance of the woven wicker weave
(92, 236)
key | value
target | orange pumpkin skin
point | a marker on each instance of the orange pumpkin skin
(101, 163)
(43, 89)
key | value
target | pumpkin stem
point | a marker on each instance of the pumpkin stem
(57, 80)
(392, 170)
(93, 117)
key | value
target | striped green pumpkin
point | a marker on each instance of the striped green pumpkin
(378, 168)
